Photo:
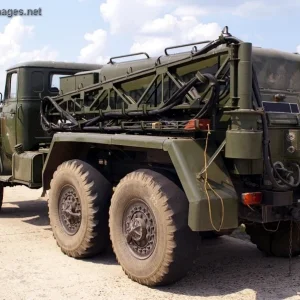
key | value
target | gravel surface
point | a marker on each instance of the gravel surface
(32, 266)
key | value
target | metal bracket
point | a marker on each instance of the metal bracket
(212, 159)
(18, 111)
(233, 53)
(225, 31)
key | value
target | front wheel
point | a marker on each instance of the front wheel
(149, 229)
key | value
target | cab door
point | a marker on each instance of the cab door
(9, 114)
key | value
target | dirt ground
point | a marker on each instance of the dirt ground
(32, 266)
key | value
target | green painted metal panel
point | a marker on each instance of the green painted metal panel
(27, 167)
(187, 156)
(153, 142)
(188, 159)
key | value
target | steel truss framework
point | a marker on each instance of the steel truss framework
(125, 103)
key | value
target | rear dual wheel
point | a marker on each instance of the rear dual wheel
(276, 239)
(149, 229)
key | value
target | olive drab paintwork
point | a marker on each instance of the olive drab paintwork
(188, 168)
(244, 128)
(20, 122)
(120, 116)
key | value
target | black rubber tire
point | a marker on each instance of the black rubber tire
(1, 195)
(94, 193)
(176, 244)
(275, 243)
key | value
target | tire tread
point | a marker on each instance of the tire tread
(176, 263)
(94, 241)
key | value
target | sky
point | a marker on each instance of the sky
(93, 30)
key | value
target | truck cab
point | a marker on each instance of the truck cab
(26, 84)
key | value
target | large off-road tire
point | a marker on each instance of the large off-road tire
(79, 201)
(148, 222)
(275, 242)
(1, 194)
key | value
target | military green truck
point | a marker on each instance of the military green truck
(146, 155)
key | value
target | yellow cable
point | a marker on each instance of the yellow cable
(206, 191)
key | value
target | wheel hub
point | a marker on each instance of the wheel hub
(69, 210)
(139, 228)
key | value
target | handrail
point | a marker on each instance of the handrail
(128, 55)
(184, 45)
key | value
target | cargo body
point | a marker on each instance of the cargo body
(155, 153)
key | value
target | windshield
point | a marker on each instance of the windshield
(277, 72)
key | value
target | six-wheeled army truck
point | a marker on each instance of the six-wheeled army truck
(148, 154)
